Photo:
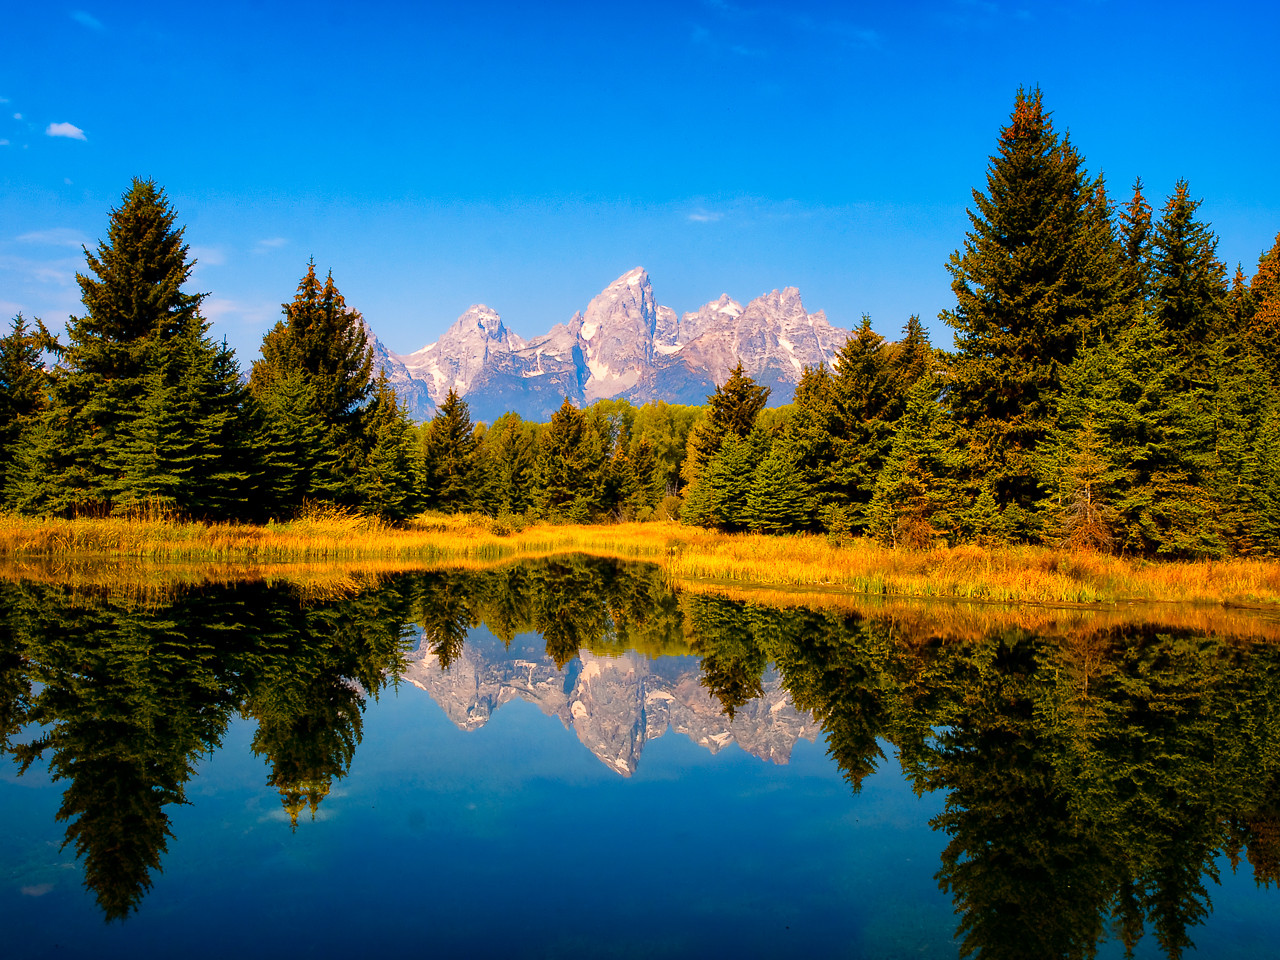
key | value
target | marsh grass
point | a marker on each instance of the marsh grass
(1017, 574)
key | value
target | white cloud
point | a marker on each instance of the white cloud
(705, 216)
(56, 237)
(86, 20)
(68, 130)
(208, 256)
(17, 116)
(271, 243)
(4, 143)
(256, 316)
(58, 273)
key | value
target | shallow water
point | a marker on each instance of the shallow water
(471, 787)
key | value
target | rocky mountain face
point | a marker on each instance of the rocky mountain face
(624, 344)
(614, 705)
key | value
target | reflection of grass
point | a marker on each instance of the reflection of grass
(1011, 574)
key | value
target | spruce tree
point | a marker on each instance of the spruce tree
(324, 338)
(506, 466)
(1135, 242)
(132, 396)
(387, 483)
(24, 386)
(776, 501)
(449, 454)
(288, 443)
(1260, 332)
(1037, 279)
(570, 467)
(733, 409)
(865, 391)
(1189, 288)
(916, 499)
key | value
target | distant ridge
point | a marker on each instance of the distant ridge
(624, 344)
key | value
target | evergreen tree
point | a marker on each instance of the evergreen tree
(1189, 281)
(506, 466)
(24, 386)
(289, 443)
(733, 410)
(449, 454)
(1035, 282)
(571, 466)
(776, 501)
(134, 393)
(916, 499)
(387, 482)
(1135, 241)
(719, 498)
(327, 340)
(1261, 331)
(865, 391)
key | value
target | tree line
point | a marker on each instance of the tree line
(1109, 388)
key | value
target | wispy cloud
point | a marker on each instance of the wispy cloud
(86, 19)
(209, 256)
(705, 216)
(17, 116)
(58, 273)
(271, 243)
(257, 316)
(4, 143)
(56, 237)
(68, 130)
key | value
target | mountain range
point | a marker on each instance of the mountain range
(613, 704)
(624, 345)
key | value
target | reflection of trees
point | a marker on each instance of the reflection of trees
(130, 696)
(1091, 780)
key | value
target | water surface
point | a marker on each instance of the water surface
(572, 755)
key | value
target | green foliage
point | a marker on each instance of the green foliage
(916, 500)
(144, 409)
(1189, 281)
(387, 484)
(572, 461)
(24, 386)
(449, 457)
(776, 500)
(733, 410)
(326, 340)
(1038, 279)
(719, 497)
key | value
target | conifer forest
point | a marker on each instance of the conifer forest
(1113, 386)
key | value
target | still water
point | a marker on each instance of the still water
(573, 757)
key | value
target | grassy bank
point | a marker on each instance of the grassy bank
(1009, 574)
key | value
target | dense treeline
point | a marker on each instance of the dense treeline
(1109, 388)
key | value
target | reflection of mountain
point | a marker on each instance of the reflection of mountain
(614, 704)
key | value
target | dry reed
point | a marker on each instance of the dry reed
(1019, 574)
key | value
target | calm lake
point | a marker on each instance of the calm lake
(575, 757)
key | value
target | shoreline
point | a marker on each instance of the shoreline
(805, 562)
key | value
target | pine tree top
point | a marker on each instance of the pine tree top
(135, 290)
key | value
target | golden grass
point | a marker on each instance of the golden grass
(691, 555)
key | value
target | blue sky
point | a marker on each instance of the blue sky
(524, 156)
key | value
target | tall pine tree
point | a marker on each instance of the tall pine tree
(1035, 282)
